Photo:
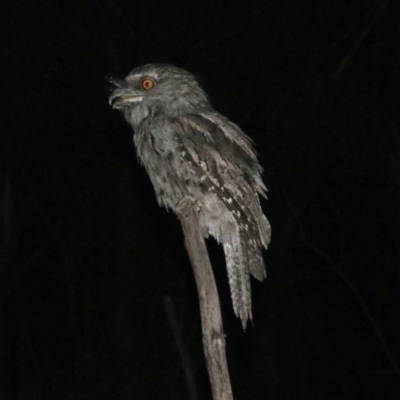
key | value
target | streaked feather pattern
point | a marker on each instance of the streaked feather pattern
(191, 151)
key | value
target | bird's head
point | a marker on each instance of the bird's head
(157, 88)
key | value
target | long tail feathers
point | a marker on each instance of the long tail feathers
(243, 257)
(239, 282)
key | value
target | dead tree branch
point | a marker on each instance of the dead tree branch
(211, 321)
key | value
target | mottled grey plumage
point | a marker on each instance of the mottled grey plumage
(196, 156)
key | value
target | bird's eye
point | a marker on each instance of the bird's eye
(147, 84)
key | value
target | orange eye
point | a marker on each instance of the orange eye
(147, 84)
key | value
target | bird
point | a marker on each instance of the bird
(196, 157)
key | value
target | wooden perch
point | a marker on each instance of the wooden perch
(211, 321)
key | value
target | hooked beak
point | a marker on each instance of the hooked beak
(122, 95)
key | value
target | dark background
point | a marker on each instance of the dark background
(89, 261)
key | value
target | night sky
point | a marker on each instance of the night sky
(91, 269)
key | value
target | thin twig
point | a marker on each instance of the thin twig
(357, 295)
(354, 291)
(187, 364)
(360, 38)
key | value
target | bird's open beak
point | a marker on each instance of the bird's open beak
(122, 95)
(119, 99)
(119, 93)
